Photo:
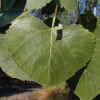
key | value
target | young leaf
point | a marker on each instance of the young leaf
(28, 42)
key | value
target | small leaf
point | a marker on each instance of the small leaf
(28, 43)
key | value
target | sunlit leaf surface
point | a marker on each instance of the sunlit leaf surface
(29, 42)
(32, 4)
(69, 4)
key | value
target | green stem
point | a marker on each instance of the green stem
(52, 31)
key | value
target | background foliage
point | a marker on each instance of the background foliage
(25, 51)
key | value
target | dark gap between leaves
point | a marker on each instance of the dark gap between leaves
(10, 86)
(88, 21)
(74, 80)
(20, 4)
(73, 96)
(97, 97)
(49, 20)
(49, 8)
(4, 29)
(59, 34)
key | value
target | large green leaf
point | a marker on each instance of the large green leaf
(69, 4)
(89, 85)
(32, 4)
(28, 43)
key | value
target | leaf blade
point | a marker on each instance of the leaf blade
(28, 43)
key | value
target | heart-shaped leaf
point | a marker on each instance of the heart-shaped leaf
(30, 51)
(89, 85)
(35, 4)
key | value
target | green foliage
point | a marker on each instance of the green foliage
(69, 4)
(26, 51)
(35, 4)
(28, 43)
(88, 21)
(89, 86)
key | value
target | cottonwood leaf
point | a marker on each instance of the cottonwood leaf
(89, 86)
(35, 4)
(29, 42)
